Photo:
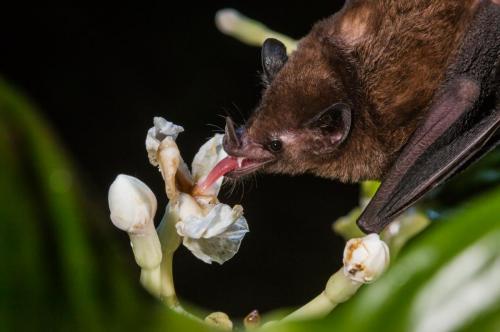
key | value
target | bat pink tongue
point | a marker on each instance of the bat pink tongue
(223, 167)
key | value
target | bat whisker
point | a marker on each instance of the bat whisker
(242, 116)
(218, 129)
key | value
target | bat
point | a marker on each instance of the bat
(406, 92)
(461, 126)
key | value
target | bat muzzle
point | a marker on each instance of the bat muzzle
(249, 155)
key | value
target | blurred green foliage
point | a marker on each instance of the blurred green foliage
(447, 276)
(61, 270)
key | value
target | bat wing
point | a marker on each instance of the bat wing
(461, 126)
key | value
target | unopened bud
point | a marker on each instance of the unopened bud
(252, 320)
(132, 204)
(220, 320)
(366, 258)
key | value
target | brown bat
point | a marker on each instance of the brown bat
(402, 91)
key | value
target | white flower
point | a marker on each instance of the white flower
(212, 231)
(366, 258)
(215, 236)
(163, 152)
(132, 204)
(204, 161)
(161, 130)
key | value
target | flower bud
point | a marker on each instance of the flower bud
(366, 258)
(220, 320)
(132, 204)
(251, 32)
(252, 321)
(227, 19)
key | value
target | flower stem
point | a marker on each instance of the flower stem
(170, 241)
(339, 288)
(150, 279)
(168, 294)
(146, 248)
(231, 22)
(167, 291)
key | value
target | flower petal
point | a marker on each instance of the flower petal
(217, 221)
(132, 204)
(220, 248)
(366, 258)
(221, 217)
(163, 152)
(161, 130)
(207, 157)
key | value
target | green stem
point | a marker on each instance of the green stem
(167, 292)
(150, 279)
(248, 31)
(170, 241)
(146, 248)
(339, 288)
(318, 307)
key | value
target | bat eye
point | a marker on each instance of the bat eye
(275, 145)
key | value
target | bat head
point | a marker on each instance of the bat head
(304, 118)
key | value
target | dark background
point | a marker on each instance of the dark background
(99, 75)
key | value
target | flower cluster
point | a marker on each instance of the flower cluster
(212, 231)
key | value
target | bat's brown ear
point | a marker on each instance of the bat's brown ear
(330, 127)
(273, 58)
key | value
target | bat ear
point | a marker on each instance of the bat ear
(273, 58)
(330, 127)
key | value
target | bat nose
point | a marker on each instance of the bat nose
(239, 132)
(232, 137)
